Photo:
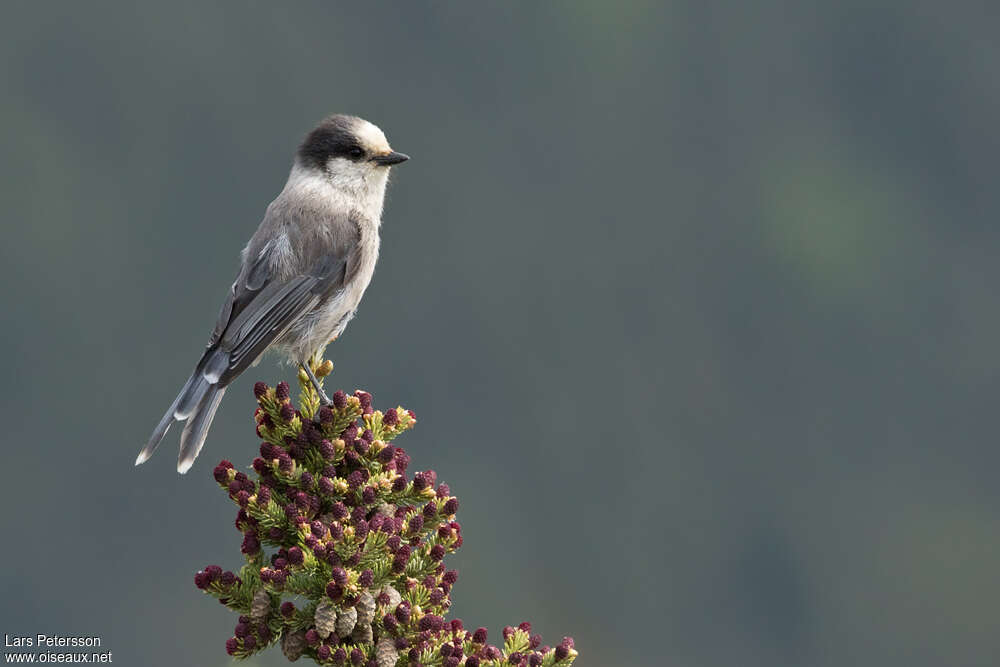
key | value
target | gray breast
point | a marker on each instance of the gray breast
(330, 316)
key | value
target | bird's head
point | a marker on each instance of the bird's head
(351, 152)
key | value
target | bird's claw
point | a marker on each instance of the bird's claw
(323, 398)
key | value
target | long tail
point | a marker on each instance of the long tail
(196, 404)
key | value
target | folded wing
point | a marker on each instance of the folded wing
(258, 311)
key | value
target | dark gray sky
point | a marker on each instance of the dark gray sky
(695, 303)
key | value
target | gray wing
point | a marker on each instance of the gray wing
(260, 309)
(252, 278)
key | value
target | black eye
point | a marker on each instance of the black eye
(356, 152)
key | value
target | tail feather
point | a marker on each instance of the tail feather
(158, 433)
(196, 403)
(168, 420)
(196, 430)
(191, 395)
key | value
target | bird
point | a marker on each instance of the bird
(301, 276)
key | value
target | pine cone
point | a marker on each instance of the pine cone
(386, 654)
(362, 634)
(260, 608)
(346, 620)
(293, 645)
(326, 618)
(394, 596)
(366, 609)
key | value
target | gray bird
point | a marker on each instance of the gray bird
(301, 276)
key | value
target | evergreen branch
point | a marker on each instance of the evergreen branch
(359, 542)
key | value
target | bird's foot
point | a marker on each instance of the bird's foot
(322, 370)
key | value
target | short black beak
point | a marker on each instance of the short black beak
(390, 158)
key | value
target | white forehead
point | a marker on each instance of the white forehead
(372, 137)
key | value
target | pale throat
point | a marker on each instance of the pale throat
(343, 189)
(366, 191)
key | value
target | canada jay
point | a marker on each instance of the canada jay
(301, 275)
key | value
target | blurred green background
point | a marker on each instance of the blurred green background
(695, 303)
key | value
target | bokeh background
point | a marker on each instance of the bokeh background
(695, 302)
